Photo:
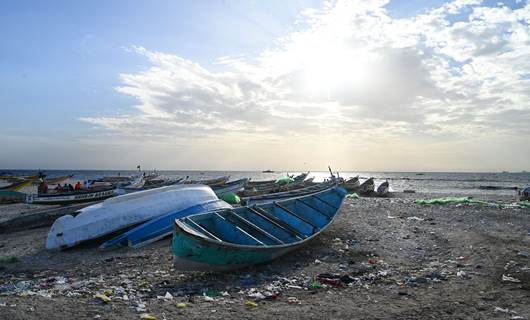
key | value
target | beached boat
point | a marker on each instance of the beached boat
(146, 186)
(124, 211)
(10, 196)
(237, 238)
(161, 227)
(367, 187)
(15, 186)
(83, 195)
(352, 184)
(56, 180)
(229, 187)
(209, 182)
(268, 183)
(318, 187)
(276, 188)
(115, 179)
(383, 189)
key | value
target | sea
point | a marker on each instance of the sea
(492, 183)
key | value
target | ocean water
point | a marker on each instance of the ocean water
(431, 182)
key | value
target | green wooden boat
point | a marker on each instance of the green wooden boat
(235, 238)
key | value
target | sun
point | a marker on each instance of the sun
(333, 68)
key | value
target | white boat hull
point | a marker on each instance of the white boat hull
(72, 198)
(124, 211)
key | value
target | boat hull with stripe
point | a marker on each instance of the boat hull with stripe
(260, 199)
(159, 228)
(124, 211)
(237, 238)
(73, 197)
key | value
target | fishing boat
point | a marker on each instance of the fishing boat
(229, 187)
(236, 238)
(76, 196)
(383, 189)
(124, 211)
(318, 187)
(209, 182)
(10, 196)
(15, 186)
(56, 180)
(115, 179)
(352, 184)
(161, 227)
(267, 171)
(367, 187)
(276, 188)
(269, 183)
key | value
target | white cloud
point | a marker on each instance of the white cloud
(350, 72)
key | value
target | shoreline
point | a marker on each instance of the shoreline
(406, 261)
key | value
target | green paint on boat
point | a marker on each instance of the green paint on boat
(191, 249)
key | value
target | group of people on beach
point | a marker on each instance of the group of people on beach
(43, 187)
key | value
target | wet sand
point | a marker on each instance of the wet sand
(385, 258)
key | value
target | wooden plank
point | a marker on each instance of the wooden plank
(240, 230)
(294, 214)
(285, 227)
(200, 228)
(315, 209)
(326, 202)
(255, 227)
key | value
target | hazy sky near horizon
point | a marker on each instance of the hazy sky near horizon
(243, 85)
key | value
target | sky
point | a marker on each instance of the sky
(251, 85)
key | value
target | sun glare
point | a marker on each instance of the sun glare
(333, 69)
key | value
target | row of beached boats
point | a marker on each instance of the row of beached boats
(366, 188)
(273, 218)
(269, 218)
(106, 187)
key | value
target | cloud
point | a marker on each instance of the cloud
(350, 70)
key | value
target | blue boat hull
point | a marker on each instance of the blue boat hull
(237, 238)
(160, 227)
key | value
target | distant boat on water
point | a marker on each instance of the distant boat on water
(267, 171)
(505, 172)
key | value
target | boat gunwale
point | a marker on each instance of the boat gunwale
(181, 227)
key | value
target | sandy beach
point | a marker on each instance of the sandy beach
(384, 258)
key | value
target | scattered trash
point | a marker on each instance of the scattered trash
(329, 279)
(372, 261)
(415, 218)
(462, 274)
(502, 310)
(409, 191)
(293, 300)
(147, 316)
(103, 297)
(352, 196)
(210, 293)
(181, 305)
(141, 307)
(256, 296)
(251, 304)
(167, 296)
(510, 279)
(523, 254)
(314, 285)
(208, 298)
